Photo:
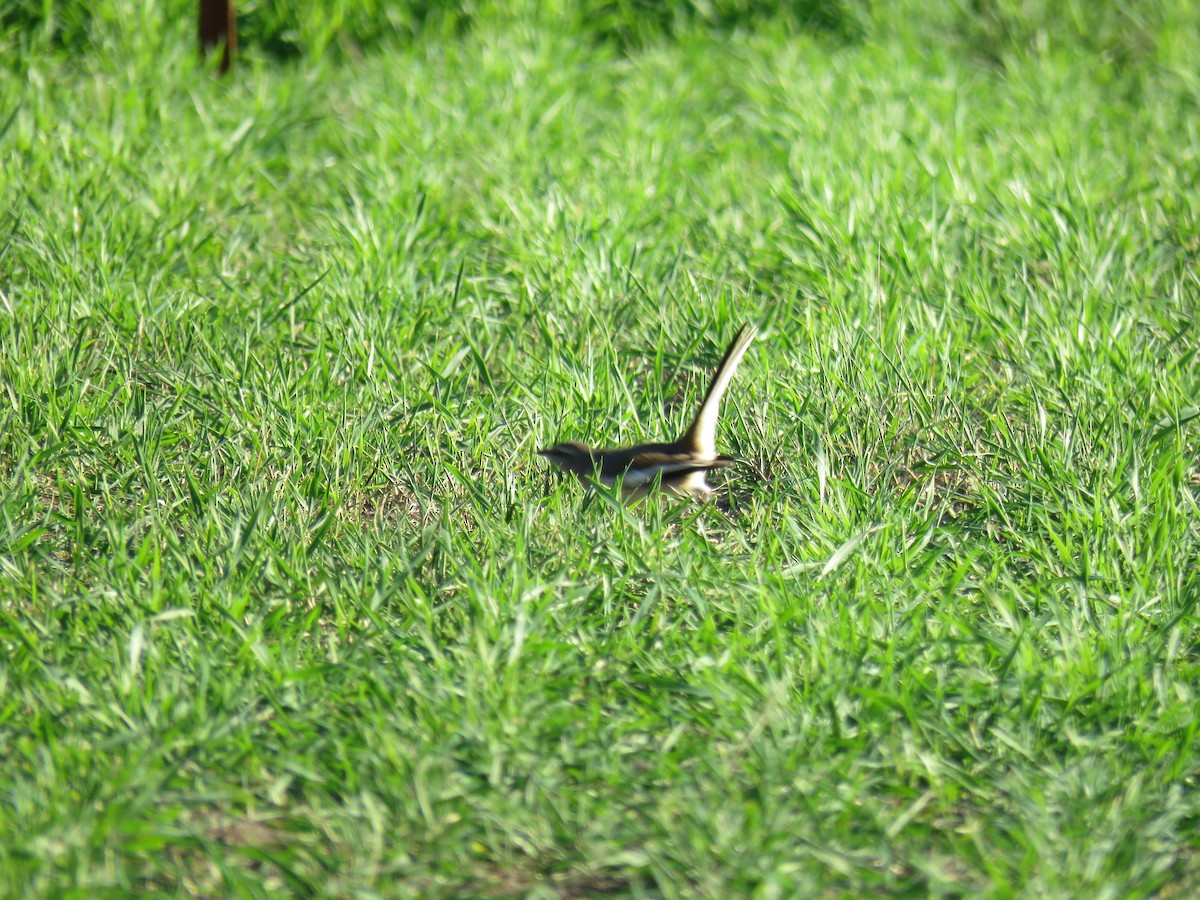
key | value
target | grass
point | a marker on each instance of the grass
(288, 605)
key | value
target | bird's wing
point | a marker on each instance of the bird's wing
(642, 468)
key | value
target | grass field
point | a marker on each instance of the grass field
(288, 605)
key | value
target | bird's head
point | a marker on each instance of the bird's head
(569, 456)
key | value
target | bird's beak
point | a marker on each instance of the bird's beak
(543, 452)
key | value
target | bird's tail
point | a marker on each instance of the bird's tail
(701, 436)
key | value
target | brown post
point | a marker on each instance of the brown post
(218, 24)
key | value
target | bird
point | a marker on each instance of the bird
(680, 468)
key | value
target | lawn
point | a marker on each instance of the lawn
(289, 605)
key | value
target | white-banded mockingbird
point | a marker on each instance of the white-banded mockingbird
(679, 467)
